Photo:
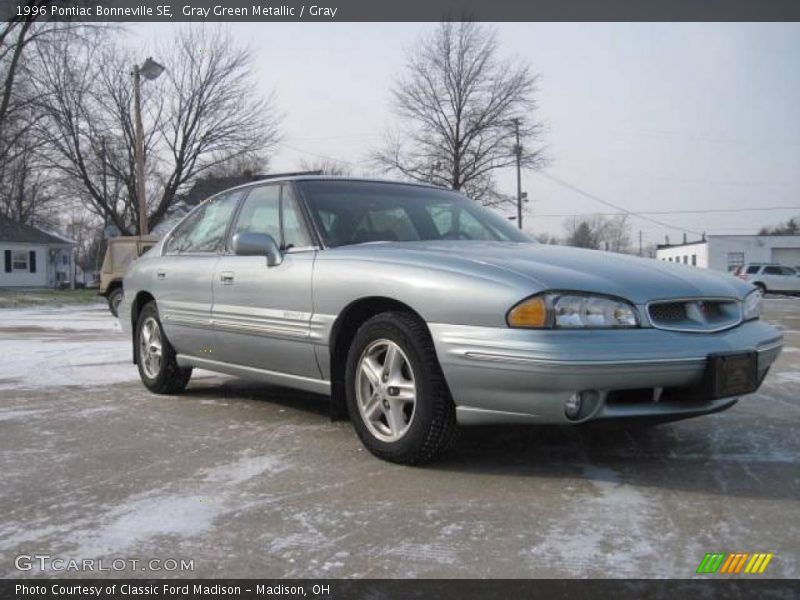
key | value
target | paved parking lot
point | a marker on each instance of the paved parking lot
(249, 481)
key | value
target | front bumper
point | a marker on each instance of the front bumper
(502, 375)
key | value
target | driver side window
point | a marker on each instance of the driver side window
(204, 229)
(272, 209)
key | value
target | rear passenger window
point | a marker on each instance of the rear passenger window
(773, 271)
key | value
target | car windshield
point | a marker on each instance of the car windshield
(356, 212)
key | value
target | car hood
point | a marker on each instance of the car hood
(639, 280)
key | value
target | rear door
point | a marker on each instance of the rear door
(780, 279)
(184, 274)
(262, 314)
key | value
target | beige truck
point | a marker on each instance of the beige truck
(120, 252)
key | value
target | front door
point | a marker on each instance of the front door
(183, 279)
(262, 314)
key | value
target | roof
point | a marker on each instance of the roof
(318, 177)
(793, 237)
(11, 231)
(668, 246)
(208, 186)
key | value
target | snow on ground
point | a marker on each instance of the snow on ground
(54, 346)
(91, 317)
(32, 364)
(38, 351)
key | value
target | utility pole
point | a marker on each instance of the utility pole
(640, 242)
(518, 154)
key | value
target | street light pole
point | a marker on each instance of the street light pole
(150, 70)
(138, 150)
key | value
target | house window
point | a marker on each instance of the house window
(19, 260)
(64, 259)
(686, 259)
(735, 259)
(694, 260)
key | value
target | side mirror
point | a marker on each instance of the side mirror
(257, 244)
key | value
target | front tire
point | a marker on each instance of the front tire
(155, 356)
(397, 396)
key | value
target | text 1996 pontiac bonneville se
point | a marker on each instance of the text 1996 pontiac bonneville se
(418, 311)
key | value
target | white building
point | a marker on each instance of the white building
(726, 252)
(30, 257)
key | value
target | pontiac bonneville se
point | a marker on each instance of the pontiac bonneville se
(418, 311)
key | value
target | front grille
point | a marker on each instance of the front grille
(695, 314)
(669, 312)
(657, 395)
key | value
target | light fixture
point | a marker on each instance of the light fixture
(151, 69)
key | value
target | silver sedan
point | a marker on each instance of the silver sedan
(417, 311)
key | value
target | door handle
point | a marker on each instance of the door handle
(161, 274)
(226, 277)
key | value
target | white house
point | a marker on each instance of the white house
(32, 257)
(726, 252)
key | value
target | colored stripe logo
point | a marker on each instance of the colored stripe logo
(734, 563)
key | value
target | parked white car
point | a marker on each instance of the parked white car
(770, 277)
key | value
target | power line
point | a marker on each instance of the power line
(591, 196)
(675, 212)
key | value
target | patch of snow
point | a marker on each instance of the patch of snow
(425, 553)
(93, 317)
(246, 468)
(790, 376)
(31, 364)
(607, 530)
(149, 516)
(8, 415)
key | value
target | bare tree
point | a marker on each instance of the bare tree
(201, 115)
(24, 184)
(791, 227)
(457, 104)
(237, 167)
(582, 233)
(598, 232)
(546, 238)
(326, 167)
(615, 234)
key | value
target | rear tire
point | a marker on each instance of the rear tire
(114, 300)
(761, 286)
(155, 356)
(392, 363)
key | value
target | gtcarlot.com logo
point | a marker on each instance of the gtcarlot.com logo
(735, 563)
(45, 562)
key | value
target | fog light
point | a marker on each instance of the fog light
(581, 404)
(572, 407)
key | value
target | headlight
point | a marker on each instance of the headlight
(572, 311)
(751, 307)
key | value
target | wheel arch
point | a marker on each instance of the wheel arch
(344, 329)
(139, 302)
(112, 285)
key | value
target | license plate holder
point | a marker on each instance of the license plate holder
(732, 374)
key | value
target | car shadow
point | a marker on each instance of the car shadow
(706, 455)
(714, 454)
(223, 388)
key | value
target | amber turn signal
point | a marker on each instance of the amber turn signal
(531, 313)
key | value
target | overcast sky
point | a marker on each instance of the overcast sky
(651, 117)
